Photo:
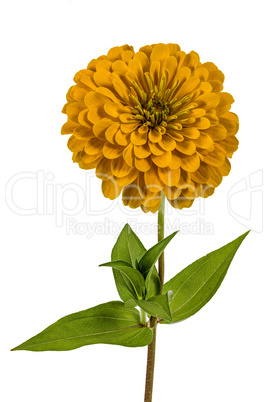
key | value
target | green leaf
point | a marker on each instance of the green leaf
(110, 323)
(194, 286)
(157, 306)
(150, 257)
(133, 279)
(129, 248)
(117, 264)
(152, 284)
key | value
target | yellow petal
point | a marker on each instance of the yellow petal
(206, 191)
(129, 127)
(143, 59)
(142, 151)
(114, 53)
(160, 53)
(120, 168)
(208, 101)
(202, 123)
(181, 202)
(171, 192)
(73, 110)
(190, 163)
(223, 107)
(103, 65)
(162, 160)
(176, 135)
(101, 126)
(143, 165)
(152, 180)
(226, 167)
(215, 158)
(127, 55)
(126, 118)
(171, 66)
(131, 196)
(173, 48)
(68, 127)
(120, 67)
(128, 155)
(111, 151)
(75, 145)
(186, 147)
(108, 93)
(90, 158)
(95, 114)
(201, 175)
(83, 119)
(202, 73)
(113, 109)
(228, 146)
(230, 125)
(190, 132)
(217, 86)
(111, 132)
(155, 135)
(155, 148)
(155, 71)
(183, 74)
(204, 141)
(103, 78)
(175, 161)
(94, 99)
(167, 143)
(122, 138)
(217, 133)
(213, 118)
(94, 146)
(168, 176)
(187, 87)
(138, 138)
(103, 169)
(121, 89)
(191, 60)
(110, 189)
(215, 178)
(126, 180)
(83, 133)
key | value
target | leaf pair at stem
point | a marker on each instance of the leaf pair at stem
(135, 274)
(138, 284)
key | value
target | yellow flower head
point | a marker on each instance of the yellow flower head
(152, 121)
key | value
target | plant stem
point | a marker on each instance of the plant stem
(153, 320)
(161, 234)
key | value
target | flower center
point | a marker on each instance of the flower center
(159, 107)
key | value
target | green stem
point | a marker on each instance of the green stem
(153, 320)
(161, 234)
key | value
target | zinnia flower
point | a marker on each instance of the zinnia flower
(152, 121)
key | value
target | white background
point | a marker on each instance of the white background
(49, 270)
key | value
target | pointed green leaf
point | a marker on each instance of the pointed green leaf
(117, 264)
(110, 323)
(194, 286)
(150, 257)
(133, 280)
(129, 248)
(157, 306)
(152, 283)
